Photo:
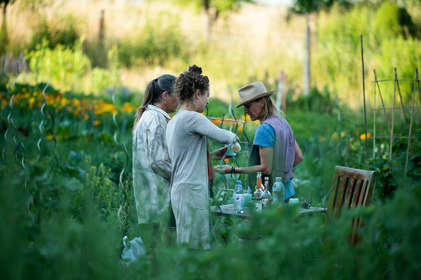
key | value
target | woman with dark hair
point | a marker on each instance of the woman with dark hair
(187, 135)
(151, 162)
(275, 151)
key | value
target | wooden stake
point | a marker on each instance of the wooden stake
(307, 58)
(393, 121)
(381, 98)
(346, 156)
(410, 124)
(374, 122)
(400, 96)
(365, 111)
(101, 28)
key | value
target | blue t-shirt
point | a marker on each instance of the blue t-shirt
(265, 136)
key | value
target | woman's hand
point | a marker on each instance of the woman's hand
(219, 153)
(236, 138)
(223, 169)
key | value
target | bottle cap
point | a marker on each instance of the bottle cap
(238, 182)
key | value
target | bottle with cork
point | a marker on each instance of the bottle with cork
(266, 197)
(258, 192)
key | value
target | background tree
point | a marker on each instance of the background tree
(3, 32)
(25, 4)
(214, 8)
(310, 6)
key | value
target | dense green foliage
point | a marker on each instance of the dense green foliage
(61, 219)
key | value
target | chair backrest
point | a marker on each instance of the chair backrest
(350, 188)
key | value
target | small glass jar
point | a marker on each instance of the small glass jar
(257, 204)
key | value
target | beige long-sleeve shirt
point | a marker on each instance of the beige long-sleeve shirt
(151, 166)
(187, 146)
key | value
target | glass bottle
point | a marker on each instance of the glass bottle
(278, 191)
(266, 193)
(258, 192)
(239, 198)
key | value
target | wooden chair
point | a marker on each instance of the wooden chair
(350, 188)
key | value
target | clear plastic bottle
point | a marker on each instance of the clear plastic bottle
(278, 191)
(266, 194)
(258, 192)
(239, 198)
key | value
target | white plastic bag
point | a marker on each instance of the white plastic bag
(133, 250)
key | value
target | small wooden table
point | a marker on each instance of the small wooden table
(227, 210)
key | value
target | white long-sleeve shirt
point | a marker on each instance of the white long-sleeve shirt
(151, 166)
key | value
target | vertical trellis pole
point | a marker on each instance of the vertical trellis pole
(381, 98)
(410, 124)
(400, 96)
(365, 111)
(374, 122)
(393, 120)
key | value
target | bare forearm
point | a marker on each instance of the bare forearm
(252, 169)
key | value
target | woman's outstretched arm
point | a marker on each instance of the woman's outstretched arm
(266, 160)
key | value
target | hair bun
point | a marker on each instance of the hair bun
(195, 69)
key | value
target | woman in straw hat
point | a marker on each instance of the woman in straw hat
(275, 151)
(187, 134)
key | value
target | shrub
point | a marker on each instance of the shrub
(154, 44)
(59, 32)
(67, 66)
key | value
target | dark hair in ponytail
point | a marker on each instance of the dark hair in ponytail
(153, 93)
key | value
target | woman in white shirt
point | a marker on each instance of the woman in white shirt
(151, 162)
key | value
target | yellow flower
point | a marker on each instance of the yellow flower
(97, 122)
(357, 133)
(63, 102)
(31, 102)
(334, 136)
(128, 108)
(343, 133)
(363, 136)
(104, 108)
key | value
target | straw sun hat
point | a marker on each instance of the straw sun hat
(252, 92)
